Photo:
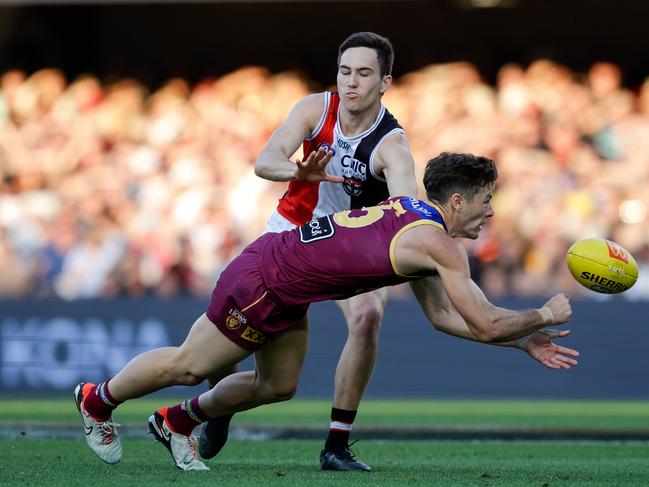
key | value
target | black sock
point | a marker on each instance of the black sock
(340, 428)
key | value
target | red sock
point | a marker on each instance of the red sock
(99, 402)
(184, 417)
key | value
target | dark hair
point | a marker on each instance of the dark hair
(450, 173)
(382, 46)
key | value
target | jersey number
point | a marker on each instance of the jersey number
(371, 215)
(323, 228)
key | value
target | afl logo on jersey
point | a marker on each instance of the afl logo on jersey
(326, 148)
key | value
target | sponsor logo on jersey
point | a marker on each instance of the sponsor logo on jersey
(316, 230)
(617, 252)
(417, 206)
(253, 335)
(353, 168)
(235, 319)
(344, 145)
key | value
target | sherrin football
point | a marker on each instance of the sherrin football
(602, 266)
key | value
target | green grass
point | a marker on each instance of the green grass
(588, 415)
(294, 463)
(54, 462)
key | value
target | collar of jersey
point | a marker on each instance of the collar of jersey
(362, 134)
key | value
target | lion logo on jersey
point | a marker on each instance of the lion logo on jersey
(235, 319)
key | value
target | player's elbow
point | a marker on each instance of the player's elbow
(263, 163)
(260, 168)
(485, 336)
(487, 332)
(441, 325)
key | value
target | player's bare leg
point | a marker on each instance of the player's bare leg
(204, 352)
(172, 426)
(275, 378)
(214, 432)
(363, 314)
(215, 378)
(277, 371)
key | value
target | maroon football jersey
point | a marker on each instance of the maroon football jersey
(341, 255)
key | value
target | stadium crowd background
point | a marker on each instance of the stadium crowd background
(111, 189)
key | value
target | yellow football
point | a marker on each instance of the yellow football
(602, 266)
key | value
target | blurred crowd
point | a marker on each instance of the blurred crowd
(109, 189)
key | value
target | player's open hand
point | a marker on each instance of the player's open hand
(313, 168)
(541, 348)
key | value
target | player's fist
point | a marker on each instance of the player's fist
(560, 307)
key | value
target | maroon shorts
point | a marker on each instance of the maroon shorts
(242, 308)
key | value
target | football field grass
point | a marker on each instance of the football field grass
(294, 463)
(27, 459)
(583, 415)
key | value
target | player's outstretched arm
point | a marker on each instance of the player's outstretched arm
(487, 322)
(439, 310)
(274, 162)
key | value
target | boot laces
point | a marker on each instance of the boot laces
(108, 431)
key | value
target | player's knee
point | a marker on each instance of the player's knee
(365, 323)
(215, 378)
(181, 371)
(284, 394)
(189, 379)
(185, 377)
(278, 392)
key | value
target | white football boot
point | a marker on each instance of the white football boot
(101, 436)
(180, 446)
